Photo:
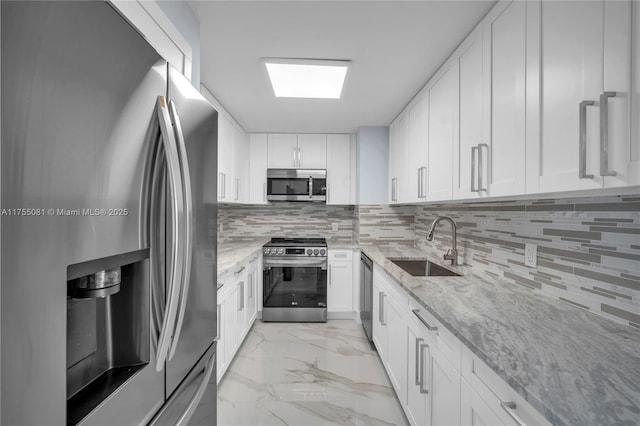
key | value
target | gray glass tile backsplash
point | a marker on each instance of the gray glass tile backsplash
(588, 248)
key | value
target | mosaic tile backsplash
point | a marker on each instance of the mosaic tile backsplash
(588, 248)
(285, 220)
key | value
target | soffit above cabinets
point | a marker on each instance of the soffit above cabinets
(394, 46)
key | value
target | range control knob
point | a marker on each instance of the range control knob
(267, 251)
(322, 252)
(309, 252)
(315, 252)
(280, 251)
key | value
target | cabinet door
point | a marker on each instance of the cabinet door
(339, 169)
(417, 405)
(445, 394)
(340, 287)
(282, 150)
(240, 161)
(396, 344)
(634, 169)
(505, 38)
(473, 116)
(586, 52)
(474, 411)
(225, 159)
(312, 151)
(418, 142)
(257, 168)
(379, 325)
(229, 321)
(394, 143)
(221, 349)
(443, 134)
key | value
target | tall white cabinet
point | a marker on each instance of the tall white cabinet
(257, 168)
(339, 169)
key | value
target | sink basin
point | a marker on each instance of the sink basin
(424, 268)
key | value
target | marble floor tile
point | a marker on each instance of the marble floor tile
(307, 374)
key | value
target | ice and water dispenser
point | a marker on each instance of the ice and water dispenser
(108, 327)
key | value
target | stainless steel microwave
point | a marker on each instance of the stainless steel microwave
(297, 185)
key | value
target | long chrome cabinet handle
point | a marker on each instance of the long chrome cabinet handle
(293, 153)
(474, 149)
(250, 281)
(241, 296)
(604, 134)
(481, 186)
(173, 166)
(510, 408)
(383, 320)
(418, 363)
(582, 161)
(416, 312)
(197, 397)
(187, 226)
(424, 182)
(423, 389)
(264, 192)
(419, 182)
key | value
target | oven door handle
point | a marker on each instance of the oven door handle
(297, 262)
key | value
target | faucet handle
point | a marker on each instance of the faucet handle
(451, 255)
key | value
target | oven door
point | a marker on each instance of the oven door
(295, 283)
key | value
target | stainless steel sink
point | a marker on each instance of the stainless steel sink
(424, 268)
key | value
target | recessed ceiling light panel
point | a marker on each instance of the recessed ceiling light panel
(307, 78)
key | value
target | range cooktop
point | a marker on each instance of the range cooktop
(297, 242)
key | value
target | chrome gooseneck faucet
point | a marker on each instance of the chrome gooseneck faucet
(452, 253)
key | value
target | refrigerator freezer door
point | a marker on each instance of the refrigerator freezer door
(79, 87)
(198, 120)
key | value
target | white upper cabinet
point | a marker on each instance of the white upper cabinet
(443, 134)
(398, 157)
(312, 151)
(339, 169)
(257, 168)
(634, 172)
(240, 163)
(293, 151)
(226, 183)
(418, 142)
(585, 85)
(505, 53)
(282, 150)
(471, 152)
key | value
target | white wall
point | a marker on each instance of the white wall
(183, 18)
(372, 165)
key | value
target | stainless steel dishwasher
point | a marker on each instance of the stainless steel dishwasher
(366, 290)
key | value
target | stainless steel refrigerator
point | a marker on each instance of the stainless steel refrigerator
(108, 226)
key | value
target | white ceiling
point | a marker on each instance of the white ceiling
(394, 46)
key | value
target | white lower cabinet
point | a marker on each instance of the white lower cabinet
(389, 329)
(437, 379)
(340, 281)
(237, 310)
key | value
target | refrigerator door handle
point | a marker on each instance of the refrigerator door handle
(174, 172)
(187, 223)
(193, 404)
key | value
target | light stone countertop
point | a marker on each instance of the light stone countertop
(334, 244)
(230, 254)
(573, 366)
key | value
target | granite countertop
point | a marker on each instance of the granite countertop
(341, 244)
(573, 366)
(230, 254)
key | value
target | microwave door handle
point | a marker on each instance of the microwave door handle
(174, 172)
(187, 226)
(310, 187)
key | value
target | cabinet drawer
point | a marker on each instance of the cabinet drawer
(501, 398)
(340, 255)
(442, 338)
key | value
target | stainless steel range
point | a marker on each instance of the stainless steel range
(295, 280)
